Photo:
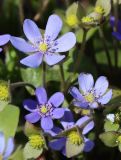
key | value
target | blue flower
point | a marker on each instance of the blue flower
(68, 123)
(43, 109)
(5, 149)
(4, 39)
(116, 34)
(90, 95)
(44, 47)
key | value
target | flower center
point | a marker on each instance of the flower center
(75, 138)
(4, 92)
(99, 9)
(72, 20)
(118, 140)
(43, 109)
(87, 19)
(89, 97)
(36, 141)
(43, 47)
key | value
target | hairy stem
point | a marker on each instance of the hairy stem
(77, 63)
(105, 48)
(21, 84)
(44, 74)
(81, 53)
(62, 77)
(115, 29)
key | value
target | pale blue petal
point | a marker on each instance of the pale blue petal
(22, 45)
(53, 59)
(67, 125)
(33, 117)
(82, 120)
(101, 86)
(65, 43)
(94, 105)
(4, 39)
(41, 95)
(2, 143)
(76, 94)
(88, 127)
(58, 113)
(46, 123)
(31, 31)
(57, 144)
(83, 105)
(53, 27)
(86, 82)
(105, 98)
(56, 99)
(10, 148)
(89, 145)
(33, 60)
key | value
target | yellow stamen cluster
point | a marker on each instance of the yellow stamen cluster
(99, 9)
(43, 109)
(87, 19)
(4, 92)
(43, 47)
(75, 138)
(36, 141)
(117, 117)
(89, 97)
(118, 140)
(72, 20)
(85, 111)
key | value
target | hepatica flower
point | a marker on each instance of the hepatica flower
(91, 95)
(70, 135)
(44, 47)
(4, 39)
(116, 34)
(5, 149)
(43, 109)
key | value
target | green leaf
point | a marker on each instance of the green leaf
(30, 129)
(18, 154)
(30, 152)
(3, 104)
(11, 60)
(32, 76)
(79, 34)
(72, 9)
(9, 118)
(109, 138)
(109, 126)
(104, 4)
(72, 149)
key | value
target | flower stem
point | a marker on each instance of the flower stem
(44, 74)
(81, 53)
(115, 29)
(62, 77)
(20, 84)
(105, 47)
(77, 63)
